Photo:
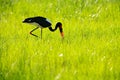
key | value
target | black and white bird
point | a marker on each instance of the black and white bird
(42, 22)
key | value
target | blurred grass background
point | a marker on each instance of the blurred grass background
(89, 51)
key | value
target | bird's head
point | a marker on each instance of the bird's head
(59, 24)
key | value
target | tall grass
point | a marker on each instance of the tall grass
(89, 51)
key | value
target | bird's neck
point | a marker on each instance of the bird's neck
(60, 29)
(51, 29)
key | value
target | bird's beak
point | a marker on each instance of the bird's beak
(62, 34)
(61, 31)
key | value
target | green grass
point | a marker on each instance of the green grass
(89, 51)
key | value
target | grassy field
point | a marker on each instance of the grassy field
(89, 51)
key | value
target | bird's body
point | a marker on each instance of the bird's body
(42, 22)
(38, 21)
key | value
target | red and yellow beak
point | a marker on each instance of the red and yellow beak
(62, 34)
(61, 31)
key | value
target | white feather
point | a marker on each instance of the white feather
(48, 20)
(36, 24)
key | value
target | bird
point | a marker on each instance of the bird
(42, 22)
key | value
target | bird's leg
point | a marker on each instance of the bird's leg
(41, 33)
(34, 30)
